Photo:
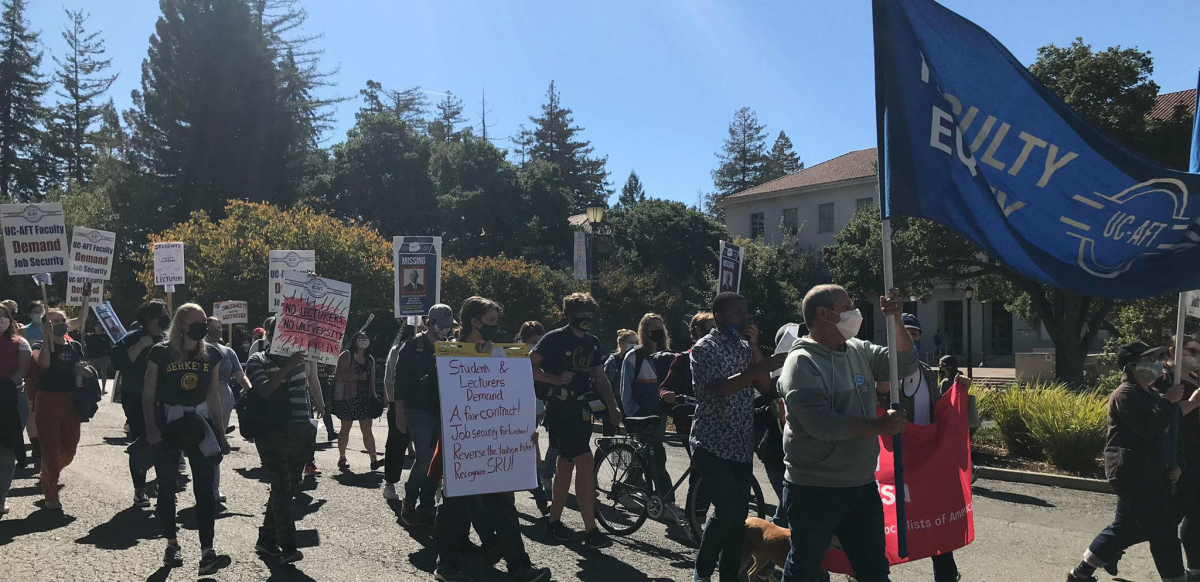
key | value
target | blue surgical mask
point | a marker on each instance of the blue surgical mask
(734, 330)
(917, 345)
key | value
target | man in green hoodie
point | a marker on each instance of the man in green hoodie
(831, 441)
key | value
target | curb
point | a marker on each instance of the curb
(1063, 481)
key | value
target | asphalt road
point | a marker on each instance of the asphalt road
(350, 533)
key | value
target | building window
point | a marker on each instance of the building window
(756, 225)
(791, 221)
(825, 218)
(862, 203)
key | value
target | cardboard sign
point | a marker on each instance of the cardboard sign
(35, 238)
(75, 290)
(280, 262)
(791, 333)
(169, 268)
(418, 274)
(92, 253)
(729, 268)
(1192, 303)
(109, 320)
(312, 318)
(488, 418)
(581, 257)
(937, 486)
(231, 312)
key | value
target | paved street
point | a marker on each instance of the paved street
(348, 532)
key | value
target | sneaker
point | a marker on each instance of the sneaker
(377, 464)
(173, 557)
(1073, 577)
(672, 512)
(596, 539)
(408, 514)
(210, 562)
(343, 464)
(696, 577)
(291, 556)
(219, 497)
(55, 505)
(389, 492)
(530, 574)
(268, 548)
(311, 470)
(448, 573)
(140, 499)
(560, 532)
(1111, 567)
(332, 436)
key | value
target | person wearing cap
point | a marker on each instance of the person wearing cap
(182, 409)
(418, 411)
(1135, 465)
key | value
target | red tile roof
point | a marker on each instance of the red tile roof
(851, 166)
(1165, 104)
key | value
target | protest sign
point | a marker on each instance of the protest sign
(312, 317)
(231, 312)
(791, 333)
(1192, 303)
(75, 285)
(581, 257)
(35, 238)
(43, 279)
(279, 262)
(488, 418)
(729, 268)
(108, 318)
(92, 253)
(418, 273)
(168, 264)
(937, 486)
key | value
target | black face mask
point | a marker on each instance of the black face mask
(659, 337)
(488, 332)
(197, 331)
(164, 321)
(59, 329)
(581, 323)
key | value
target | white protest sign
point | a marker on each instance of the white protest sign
(168, 264)
(35, 238)
(791, 333)
(1192, 303)
(92, 253)
(312, 318)
(488, 419)
(231, 312)
(75, 290)
(280, 262)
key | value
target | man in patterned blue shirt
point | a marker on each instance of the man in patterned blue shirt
(727, 369)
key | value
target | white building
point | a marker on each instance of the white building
(816, 203)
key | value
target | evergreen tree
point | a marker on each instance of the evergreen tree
(782, 161)
(81, 74)
(21, 113)
(449, 116)
(206, 133)
(555, 140)
(743, 156)
(632, 192)
(281, 23)
(410, 105)
(483, 113)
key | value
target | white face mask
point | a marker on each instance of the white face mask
(1147, 372)
(364, 344)
(443, 333)
(849, 323)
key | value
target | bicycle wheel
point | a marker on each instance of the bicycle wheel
(621, 506)
(698, 502)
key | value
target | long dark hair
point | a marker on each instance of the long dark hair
(473, 308)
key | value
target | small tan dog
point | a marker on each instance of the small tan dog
(765, 543)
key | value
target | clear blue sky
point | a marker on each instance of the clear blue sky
(655, 83)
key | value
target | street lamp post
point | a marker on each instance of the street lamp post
(985, 339)
(969, 293)
(595, 216)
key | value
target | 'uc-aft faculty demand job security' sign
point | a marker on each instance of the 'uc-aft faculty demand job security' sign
(488, 418)
(35, 238)
(970, 139)
(418, 274)
(312, 318)
(280, 262)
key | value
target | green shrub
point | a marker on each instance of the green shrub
(1068, 426)
(1005, 407)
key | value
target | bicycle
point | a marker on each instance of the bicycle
(625, 490)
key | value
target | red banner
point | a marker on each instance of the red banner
(937, 474)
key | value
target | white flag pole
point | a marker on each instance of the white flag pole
(1180, 320)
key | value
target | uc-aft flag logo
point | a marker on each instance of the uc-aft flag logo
(969, 138)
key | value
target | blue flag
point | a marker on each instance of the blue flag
(970, 139)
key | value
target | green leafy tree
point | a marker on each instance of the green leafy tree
(479, 199)
(667, 236)
(782, 160)
(22, 115)
(555, 139)
(743, 156)
(774, 281)
(409, 105)
(527, 290)
(632, 192)
(82, 76)
(626, 293)
(548, 204)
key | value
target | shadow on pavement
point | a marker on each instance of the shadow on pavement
(371, 480)
(1017, 498)
(304, 506)
(596, 566)
(159, 575)
(254, 474)
(123, 531)
(42, 520)
(424, 559)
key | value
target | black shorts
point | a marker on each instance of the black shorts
(570, 432)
